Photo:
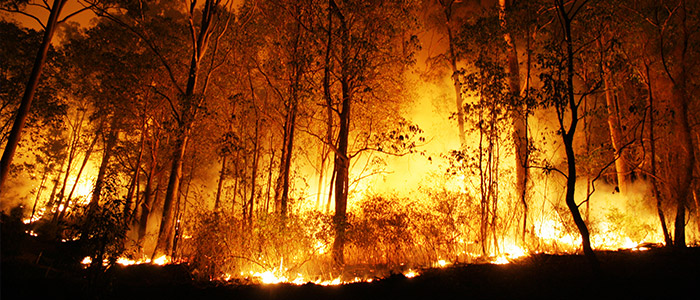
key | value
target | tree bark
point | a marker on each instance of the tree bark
(133, 185)
(686, 151)
(447, 10)
(189, 107)
(652, 145)
(342, 160)
(614, 124)
(28, 97)
(687, 164)
(165, 234)
(519, 116)
(149, 199)
(254, 172)
(102, 172)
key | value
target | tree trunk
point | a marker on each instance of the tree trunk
(614, 124)
(189, 106)
(686, 151)
(149, 199)
(217, 201)
(297, 66)
(77, 177)
(102, 172)
(342, 163)
(282, 192)
(75, 138)
(519, 116)
(652, 144)
(40, 189)
(254, 173)
(568, 139)
(133, 186)
(447, 9)
(342, 160)
(32, 84)
(165, 234)
(687, 164)
(325, 152)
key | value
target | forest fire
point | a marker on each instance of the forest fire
(347, 143)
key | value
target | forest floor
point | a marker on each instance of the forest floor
(653, 274)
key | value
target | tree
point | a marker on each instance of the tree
(559, 92)
(52, 23)
(519, 108)
(566, 16)
(368, 56)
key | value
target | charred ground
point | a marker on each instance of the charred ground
(31, 270)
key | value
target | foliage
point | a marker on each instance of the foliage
(102, 230)
(226, 245)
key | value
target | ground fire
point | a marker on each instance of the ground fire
(341, 148)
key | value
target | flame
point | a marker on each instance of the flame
(274, 277)
(410, 274)
(161, 260)
(441, 264)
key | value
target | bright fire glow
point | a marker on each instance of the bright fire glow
(161, 260)
(441, 263)
(410, 274)
(273, 277)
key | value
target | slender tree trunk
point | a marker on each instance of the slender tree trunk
(269, 176)
(217, 201)
(23, 110)
(331, 191)
(282, 192)
(102, 172)
(614, 124)
(237, 179)
(148, 197)
(687, 164)
(165, 235)
(447, 9)
(133, 186)
(342, 163)
(189, 107)
(75, 138)
(342, 160)
(652, 144)
(325, 152)
(77, 177)
(56, 181)
(254, 173)
(519, 116)
(686, 150)
(568, 139)
(297, 65)
(40, 189)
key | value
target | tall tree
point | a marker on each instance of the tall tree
(566, 16)
(448, 10)
(370, 50)
(52, 23)
(519, 108)
(560, 93)
(213, 18)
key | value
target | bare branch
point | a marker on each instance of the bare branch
(18, 11)
(176, 115)
(75, 13)
(104, 13)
